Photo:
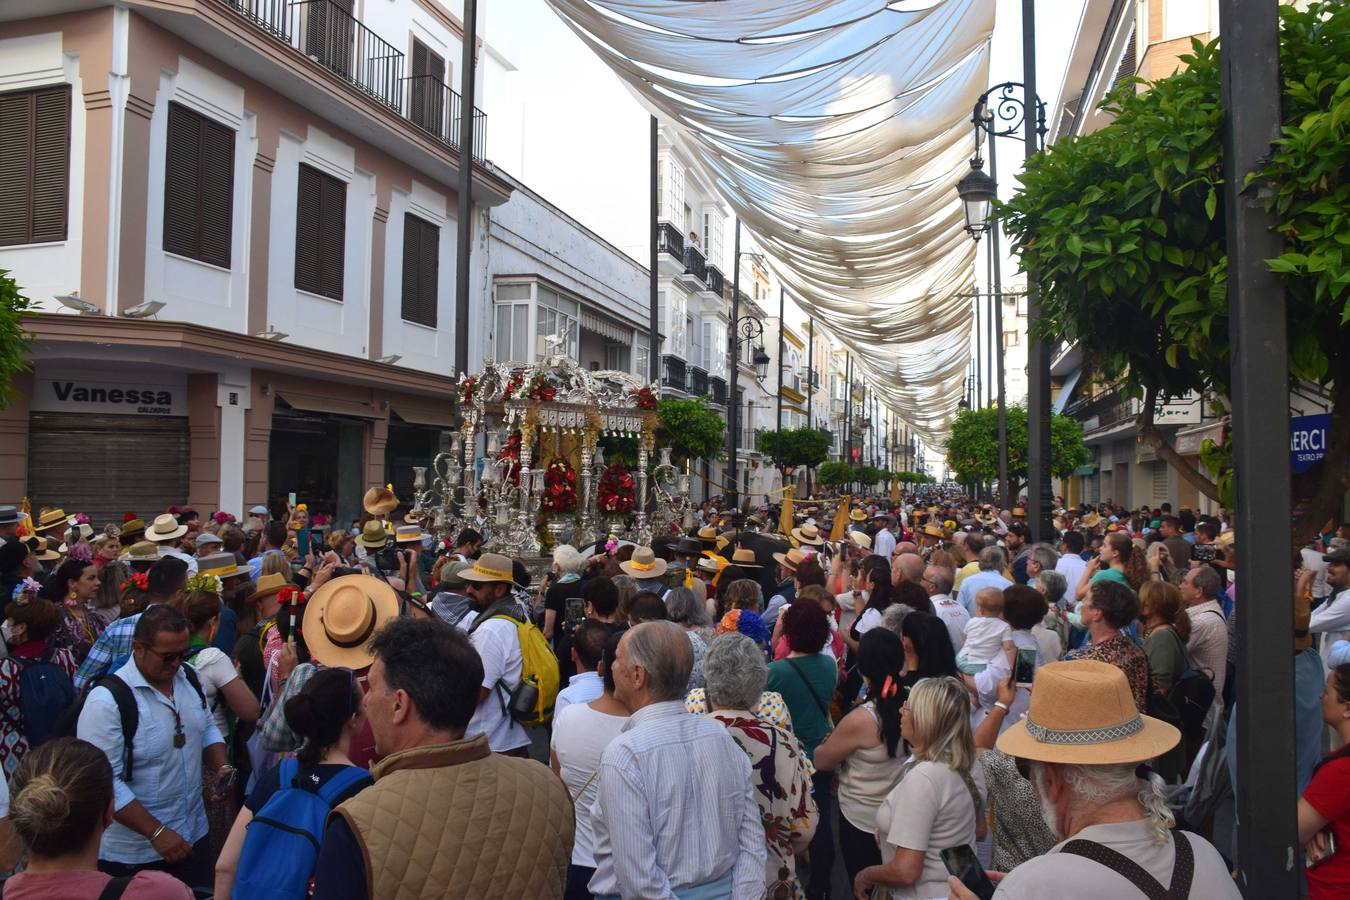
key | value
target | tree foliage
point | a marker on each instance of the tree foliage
(691, 429)
(972, 448)
(1124, 231)
(14, 340)
(835, 474)
(789, 448)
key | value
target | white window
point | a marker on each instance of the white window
(557, 315)
(676, 191)
(642, 358)
(698, 332)
(511, 341)
(679, 337)
(660, 188)
(616, 357)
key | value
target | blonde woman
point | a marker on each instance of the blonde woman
(940, 800)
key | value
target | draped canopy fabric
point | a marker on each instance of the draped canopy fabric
(836, 130)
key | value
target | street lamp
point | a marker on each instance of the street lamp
(977, 191)
(761, 361)
(746, 330)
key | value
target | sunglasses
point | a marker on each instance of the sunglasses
(168, 659)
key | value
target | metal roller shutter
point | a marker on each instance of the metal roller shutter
(108, 465)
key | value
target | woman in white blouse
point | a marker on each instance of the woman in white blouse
(940, 800)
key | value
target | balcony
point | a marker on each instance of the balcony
(669, 240)
(698, 381)
(694, 264)
(717, 387)
(716, 283)
(333, 38)
(673, 373)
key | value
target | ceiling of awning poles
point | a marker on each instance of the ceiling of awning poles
(836, 130)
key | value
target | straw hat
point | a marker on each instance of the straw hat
(452, 573)
(790, 560)
(1019, 512)
(861, 538)
(644, 564)
(267, 585)
(44, 551)
(379, 501)
(1226, 538)
(936, 531)
(407, 534)
(141, 551)
(373, 535)
(342, 617)
(858, 515)
(165, 528)
(52, 518)
(708, 564)
(707, 534)
(745, 558)
(1082, 713)
(1091, 520)
(489, 568)
(808, 534)
(221, 565)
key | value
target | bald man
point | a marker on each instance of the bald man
(907, 567)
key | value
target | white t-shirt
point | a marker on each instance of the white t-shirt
(1072, 567)
(954, 616)
(497, 644)
(931, 809)
(580, 736)
(984, 639)
(215, 670)
(869, 619)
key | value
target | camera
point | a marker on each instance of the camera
(386, 558)
(1204, 553)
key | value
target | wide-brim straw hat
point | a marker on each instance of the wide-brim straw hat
(707, 534)
(644, 564)
(858, 515)
(267, 585)
(1082, 713)
(342, 617)
(141, 551)
(808, 534)
(1091, 520)
(745, 558)
(379, 501)
(165, 528)
(373, 535)
(221, 565)
(936, 531)
(708, 564)
(407, 534)
(45, 551)
(1019, 512)
(490, 567)
(791, 559)
(52, 518)
(861, 538)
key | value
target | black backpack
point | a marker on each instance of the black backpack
(1192, 695)
(45, 693)
(130, 716)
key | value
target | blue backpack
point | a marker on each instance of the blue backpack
(45, 693)
(281, 844)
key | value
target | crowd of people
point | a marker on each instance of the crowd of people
(896, 693)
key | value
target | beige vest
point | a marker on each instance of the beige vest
(456, 820)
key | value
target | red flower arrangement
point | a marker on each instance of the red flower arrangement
(139, 580)
(615, 491)
(467, 388)
(512, 452)
(515, 384)
(560, 487)
(646, 398)
(540, 389)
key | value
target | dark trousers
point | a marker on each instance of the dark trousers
(859, 848)
(822, 843)
(578, 877)
(197, 871)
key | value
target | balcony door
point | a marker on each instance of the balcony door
(428, 91)
(330, 34)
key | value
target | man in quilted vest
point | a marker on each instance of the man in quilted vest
(446, 817)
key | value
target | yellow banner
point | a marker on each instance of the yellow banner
(840, 519)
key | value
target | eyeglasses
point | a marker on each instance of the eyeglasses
(168, 659)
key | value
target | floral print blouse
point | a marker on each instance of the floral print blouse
(782, 782)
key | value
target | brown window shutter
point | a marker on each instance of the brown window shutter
(34, 165)
(217, 192)
(307, 237)
(411, 240)
(333, 227)
(421, 242)
(51, 164)
(427, 265)
(198, 187)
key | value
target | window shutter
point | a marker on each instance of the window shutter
(34, 165)
(333, 227)
(307, 237)
(421, 247)
(198, 187)
(217, 192)
(411, 239)
(427, 267)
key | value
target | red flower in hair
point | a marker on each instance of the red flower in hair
(289, 593)
(127, 517)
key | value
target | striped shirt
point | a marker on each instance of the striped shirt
(675, 808)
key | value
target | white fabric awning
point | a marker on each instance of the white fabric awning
(836, 130)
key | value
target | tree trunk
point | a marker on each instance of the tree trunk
(1318, 493)
(1150, 435)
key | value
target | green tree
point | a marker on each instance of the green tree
(835, 474)
(14, 340)
(790, 448)
(972, 448)
(1124, 231)
(691, 429)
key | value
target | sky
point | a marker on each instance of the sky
(576, 135)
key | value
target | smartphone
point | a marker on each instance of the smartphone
(290, 498)
(223, 784)
(1312, 862)
(1024, 671)
(302, 542)
(962, 863)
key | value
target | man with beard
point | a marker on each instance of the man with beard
(1084, 739)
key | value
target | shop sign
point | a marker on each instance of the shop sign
(1180, 411)
(156, 395)
(1307, 441)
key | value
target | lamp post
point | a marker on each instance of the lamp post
(744, 330)
(978, 191)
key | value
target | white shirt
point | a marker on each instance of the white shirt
(883, 543)
(165, 550)
(954, 616)
(675, 808)
(215, 670)
(987, 682)
(580, 736)
(1047, 875)
(973, 584)
(869, 619)
(1208, 642)
(984, 639)
(581, 688)
(1072, 567)
(930, 810)
(497, 644)
(1313, 562)
(1332, 618)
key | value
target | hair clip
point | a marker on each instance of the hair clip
(889, 688)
